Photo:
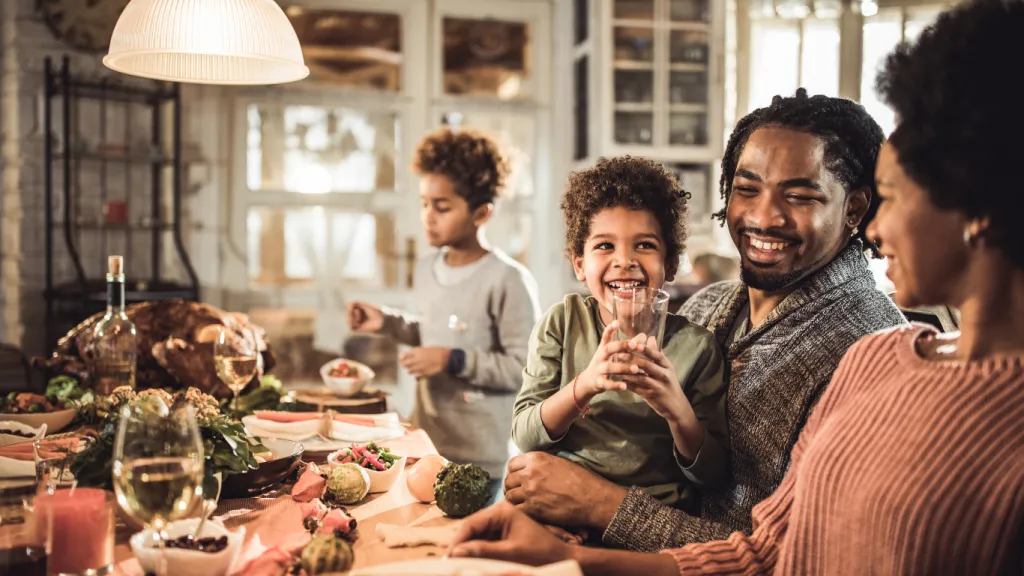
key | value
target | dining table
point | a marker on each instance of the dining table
(268, 515)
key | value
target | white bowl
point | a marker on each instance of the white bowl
(346, 386)
(380, 481)
(9, 439)
(55, 421)
(189, 562)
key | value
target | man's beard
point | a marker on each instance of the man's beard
(767, 281)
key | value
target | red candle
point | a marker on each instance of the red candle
(82, 523)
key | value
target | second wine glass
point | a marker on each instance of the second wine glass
(235, 359)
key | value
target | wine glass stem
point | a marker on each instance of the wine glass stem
(234, 402)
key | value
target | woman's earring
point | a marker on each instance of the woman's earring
(854, 231)
(968, 238)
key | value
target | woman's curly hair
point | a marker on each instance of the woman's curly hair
(629, 182)
(470, 159)
(960, 120)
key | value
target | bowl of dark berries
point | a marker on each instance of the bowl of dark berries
(210, 553)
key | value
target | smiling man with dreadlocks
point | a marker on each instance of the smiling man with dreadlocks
(798, 182)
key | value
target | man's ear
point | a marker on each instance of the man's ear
(577, 267)
(482, 214)
(857, 207)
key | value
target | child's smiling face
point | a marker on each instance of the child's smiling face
(624, 249)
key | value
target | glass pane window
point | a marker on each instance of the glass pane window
(486, 58)
(318, 150)
(517, 136)
(633, 9)
(882, 32)
(689, 10)
(819, 59)
(349, 48)
(774, 60)
(296, 245)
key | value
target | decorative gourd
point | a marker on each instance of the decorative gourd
(347, 484)
(326, 554)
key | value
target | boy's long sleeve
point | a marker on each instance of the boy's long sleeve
(541, 378)
(706, 387)
(400, 326)
(514, 312)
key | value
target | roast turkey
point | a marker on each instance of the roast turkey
(175, 345)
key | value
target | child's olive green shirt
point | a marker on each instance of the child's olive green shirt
(622, 438)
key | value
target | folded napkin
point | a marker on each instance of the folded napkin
(299, 426)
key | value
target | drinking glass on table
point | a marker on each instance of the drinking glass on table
(25, 532)
(235, 359)
(158, 465)
(641, 310)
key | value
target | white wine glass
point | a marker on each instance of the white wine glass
(158, 465)
(235, 359)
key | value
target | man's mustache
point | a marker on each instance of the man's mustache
(768, 233)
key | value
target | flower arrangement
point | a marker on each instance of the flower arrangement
(226, 446)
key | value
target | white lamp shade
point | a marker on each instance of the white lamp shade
(206, 42)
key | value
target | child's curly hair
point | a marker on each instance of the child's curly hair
(470, 159)
(630, 182)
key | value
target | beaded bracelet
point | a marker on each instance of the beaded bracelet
(584, 410)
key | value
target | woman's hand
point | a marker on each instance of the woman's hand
(363, 317)
(556, 491)
(503, 533)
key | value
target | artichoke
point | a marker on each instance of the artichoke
(462, 489)
(347, 484)
(326, 554)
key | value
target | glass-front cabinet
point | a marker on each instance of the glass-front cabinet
(649, 81)
(663, 61)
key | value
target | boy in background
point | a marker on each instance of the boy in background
(475, 306)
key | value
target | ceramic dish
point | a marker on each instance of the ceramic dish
(189, 562)
(285, 457)
(380, 480)
(55, 421)
(346, 386)
(34, 433)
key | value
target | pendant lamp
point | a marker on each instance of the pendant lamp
(206, 42)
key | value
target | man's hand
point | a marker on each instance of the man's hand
(363, 317)
(425, 361)
(503, 533)
(556, 491)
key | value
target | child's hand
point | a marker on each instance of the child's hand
(610, 360)
(363, 317)
(423, 362)
(657, 382)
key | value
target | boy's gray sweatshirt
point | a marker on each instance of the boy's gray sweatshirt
(489, 315)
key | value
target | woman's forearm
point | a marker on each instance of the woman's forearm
(602, 562)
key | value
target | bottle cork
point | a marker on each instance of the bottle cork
(115, 265)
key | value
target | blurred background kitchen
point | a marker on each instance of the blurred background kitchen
(285, 202)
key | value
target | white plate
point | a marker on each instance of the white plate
(346, 386)
(190, 562)
(467, 567)
(380, 480)
(55, 421)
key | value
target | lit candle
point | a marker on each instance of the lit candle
(82, 536)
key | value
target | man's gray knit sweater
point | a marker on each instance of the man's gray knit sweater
(778, 371)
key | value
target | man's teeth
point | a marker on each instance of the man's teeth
(767, 245)
(624, 284)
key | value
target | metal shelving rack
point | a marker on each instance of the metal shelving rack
(69, 302)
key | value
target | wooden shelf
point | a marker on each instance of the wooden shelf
(114, 158)
(634, 107)
(688, 108)
(633, 65)
(687, 67)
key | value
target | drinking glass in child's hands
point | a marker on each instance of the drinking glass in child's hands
(611, 361)
(655, 381)
(363, 317)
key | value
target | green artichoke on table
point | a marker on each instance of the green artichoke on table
(462, 489)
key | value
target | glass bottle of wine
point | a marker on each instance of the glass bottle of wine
(113, 358)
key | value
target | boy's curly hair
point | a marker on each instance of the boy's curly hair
(630, 182)
(470, 159)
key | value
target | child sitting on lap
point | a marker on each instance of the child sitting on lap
(626, 410)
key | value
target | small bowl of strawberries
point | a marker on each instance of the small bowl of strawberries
(346, 377)
(382, 465)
